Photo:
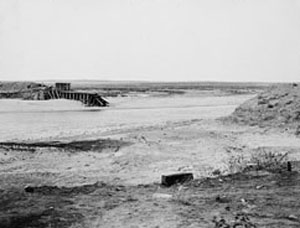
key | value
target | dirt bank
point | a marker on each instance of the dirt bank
(77, 146)
(277, 107)
(21, 90)
(18, 86)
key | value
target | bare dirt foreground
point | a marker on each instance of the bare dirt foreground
(113, 181)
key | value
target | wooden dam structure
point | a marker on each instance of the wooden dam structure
(63, 91)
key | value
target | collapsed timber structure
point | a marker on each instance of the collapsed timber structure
(58, 91)
(63, 91)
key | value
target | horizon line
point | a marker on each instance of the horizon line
(146, 81)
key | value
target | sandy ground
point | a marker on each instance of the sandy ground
(165, 135)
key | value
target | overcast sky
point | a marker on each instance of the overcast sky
(160, 40)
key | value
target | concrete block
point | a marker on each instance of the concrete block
(179, 178)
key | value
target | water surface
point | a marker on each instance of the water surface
(55, 119)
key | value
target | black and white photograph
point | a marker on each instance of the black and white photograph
(149, 113)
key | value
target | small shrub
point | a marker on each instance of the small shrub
(268, 160)
(261, 160)
(236, 163)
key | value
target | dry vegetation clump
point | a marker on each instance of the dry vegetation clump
(268, 160)
(277, 107)
(260, 160)
(236, 163)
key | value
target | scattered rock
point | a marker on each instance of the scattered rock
(244, 202)
(120, 188)
(222, 199)
(259, 187)
(161, 196)
(242, 221)
(293, 217)
(220, 222)
(29, 189)
(216, 172)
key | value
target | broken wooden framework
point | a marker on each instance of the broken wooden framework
(89, 99)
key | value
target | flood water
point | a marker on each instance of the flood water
(63, 119)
